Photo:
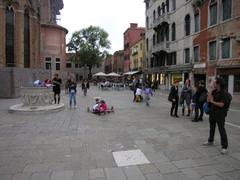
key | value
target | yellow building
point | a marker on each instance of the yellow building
(137, 55)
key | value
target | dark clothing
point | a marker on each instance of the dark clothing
(174, 97)
(217, 116)
(57, 85)
(174, 108)
(57, 88)
(72, 87)
(223, 135)
(201, 92)
(186, 96)
(218, 96)
(85, 85)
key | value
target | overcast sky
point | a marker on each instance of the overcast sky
(114, 16)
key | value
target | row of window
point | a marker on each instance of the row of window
(170, 58)
(225, 51)
(163, 7)
(226, 8)
(48, 63)
(163, 60)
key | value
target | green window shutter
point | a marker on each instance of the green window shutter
(213, 14)
(212, 50)
(226, 48)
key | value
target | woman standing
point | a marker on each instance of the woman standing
(186, 96)
(72, 93)
(201, 98)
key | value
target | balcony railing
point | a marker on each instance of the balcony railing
(165, 17)
(165, 45)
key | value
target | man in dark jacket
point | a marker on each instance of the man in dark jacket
(217, 101)
(56, 88)
(174, 98)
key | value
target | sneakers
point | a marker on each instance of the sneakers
(224, 151)
(207, 143)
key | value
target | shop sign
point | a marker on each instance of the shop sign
(202, 65)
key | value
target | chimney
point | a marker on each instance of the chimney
(133, 25)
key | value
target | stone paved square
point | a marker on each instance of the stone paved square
(73, 144)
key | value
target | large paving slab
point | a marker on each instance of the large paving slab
(76, 145)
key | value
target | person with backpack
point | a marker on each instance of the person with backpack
(201, 98)
(219, 101)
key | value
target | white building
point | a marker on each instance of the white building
(169, 38)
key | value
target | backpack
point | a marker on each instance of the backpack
(206, 108)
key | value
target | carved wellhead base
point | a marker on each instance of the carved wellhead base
(36, 99)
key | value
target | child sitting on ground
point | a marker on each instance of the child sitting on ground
(103, 107)
(100, 107)
(95, 108)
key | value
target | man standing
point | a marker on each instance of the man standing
(56, 87)
(217, 100)
(174, 98)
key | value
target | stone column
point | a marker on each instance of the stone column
(35, 42)
(19, 39)
(2, 37)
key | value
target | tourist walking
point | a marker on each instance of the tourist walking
(72, 91)
(201, 98)
(174, 98)
(147, 92)
(186, 96)
(135, 84)
(56, 88)
(85, 87)
(218, 103)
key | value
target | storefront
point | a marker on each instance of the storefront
(232, 79)
(176, 77)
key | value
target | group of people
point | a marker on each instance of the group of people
(217, 99)
(70, 88)
(191, 98)
(141, 93)
(100, 107)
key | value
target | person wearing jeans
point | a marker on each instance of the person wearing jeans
(72, 93)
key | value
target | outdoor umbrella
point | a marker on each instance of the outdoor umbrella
(100, 74)
(113, 74)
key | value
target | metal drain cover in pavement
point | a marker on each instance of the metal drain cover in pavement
(131, 157)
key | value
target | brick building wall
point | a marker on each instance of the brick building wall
(228, 68)
(131, 36)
